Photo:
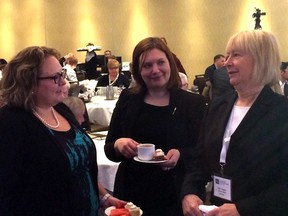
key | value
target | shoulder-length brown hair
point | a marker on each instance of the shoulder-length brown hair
(20, 76)
(139, 55)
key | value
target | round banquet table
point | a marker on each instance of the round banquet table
(106, 169)
(100, 110)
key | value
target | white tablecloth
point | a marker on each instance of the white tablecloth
(106, 169)
(100, 110)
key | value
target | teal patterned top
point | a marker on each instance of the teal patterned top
(79, 149)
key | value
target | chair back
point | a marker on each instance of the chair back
(200, 82)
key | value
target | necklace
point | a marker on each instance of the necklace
(46, 123)
(111, 82)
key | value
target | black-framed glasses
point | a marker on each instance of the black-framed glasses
(57, 77)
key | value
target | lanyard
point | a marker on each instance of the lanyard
(225, 145)
(112, 82)
(236, 116)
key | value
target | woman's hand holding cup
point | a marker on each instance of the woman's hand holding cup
(126, 146)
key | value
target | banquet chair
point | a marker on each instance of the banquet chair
(200, 82)
(74, 89)
(81, 75)
(92, 127)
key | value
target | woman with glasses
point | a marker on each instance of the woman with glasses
(113, 77)
(47, 162)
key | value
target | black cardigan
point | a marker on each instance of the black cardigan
(121, 80)
(186, 111)
(34, 171)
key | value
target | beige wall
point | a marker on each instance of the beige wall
(196, 30)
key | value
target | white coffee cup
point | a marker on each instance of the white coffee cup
(146, 151)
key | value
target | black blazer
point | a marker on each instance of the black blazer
(34, 170)
(122, 80)
(186, 110)
(257, 158)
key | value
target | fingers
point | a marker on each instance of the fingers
(128, 151)
(173, 154)
(167, 168)
(126, 146)
(190, 205)
(172, 159)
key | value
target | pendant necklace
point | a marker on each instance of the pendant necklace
(46, 123)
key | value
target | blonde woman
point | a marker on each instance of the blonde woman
(244, 136)
(114, 77)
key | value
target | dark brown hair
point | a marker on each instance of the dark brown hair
(139, 55)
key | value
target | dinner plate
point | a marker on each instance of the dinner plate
(150, 161)
(108, 210)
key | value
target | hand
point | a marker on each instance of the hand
(224, 210)
(172, 156)
(190, 205)
(113, 201)
(126, 146)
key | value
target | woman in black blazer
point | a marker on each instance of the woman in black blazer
(243, 141)
(155, 111)
(113, 77)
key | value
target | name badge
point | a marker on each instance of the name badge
(222, 187)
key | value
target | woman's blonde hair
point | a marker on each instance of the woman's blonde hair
(112, 63)
(20, 76)
(264, 49)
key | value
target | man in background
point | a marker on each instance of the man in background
(218, 62)
(221, 82)
(284, 78)
(91, 62)
(107, 56)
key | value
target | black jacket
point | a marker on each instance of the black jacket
(257, 158)
(186, 110)
(122, 80)
(34, 170)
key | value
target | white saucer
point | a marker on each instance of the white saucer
(150, 161)
(108, 210)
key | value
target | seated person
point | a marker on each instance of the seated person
(113, 77)
(63, 59)
(76, 87)
(184, 81)
(71, 64)
(3, 63)
(107, 55)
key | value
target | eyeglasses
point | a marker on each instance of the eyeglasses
(57, 77)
